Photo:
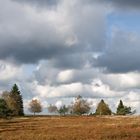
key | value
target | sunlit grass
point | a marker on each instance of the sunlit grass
(70, 128)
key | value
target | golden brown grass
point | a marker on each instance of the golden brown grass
(70, 128)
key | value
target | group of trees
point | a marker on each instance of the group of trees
(11, 103)
(81, 106)
(63, 110)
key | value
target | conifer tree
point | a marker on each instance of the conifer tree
(18, 101)
(103, 109)
(120, 108)
(123, 110)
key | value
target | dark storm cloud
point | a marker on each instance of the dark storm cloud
(30, 52)
(73, 60)
(122, 55)
(25, 38)
(119, 3)
(42, 3)
(28, 36)
(126, 3)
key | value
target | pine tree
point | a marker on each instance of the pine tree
(18, 101)
(120, 108)
(123, 110)
(103, 109)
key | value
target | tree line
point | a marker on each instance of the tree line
(11, 104)
(80, 107)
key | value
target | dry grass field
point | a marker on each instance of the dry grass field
(70, 128)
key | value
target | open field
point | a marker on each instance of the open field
(70, 128)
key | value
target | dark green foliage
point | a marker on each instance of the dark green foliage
(103, 109)
(120, 107)
(4, 110)
(123, 110)
(15, 89)
(18, 101)
(63, 110)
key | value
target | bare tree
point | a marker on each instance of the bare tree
(35, 106)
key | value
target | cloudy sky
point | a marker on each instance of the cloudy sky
(58, 49)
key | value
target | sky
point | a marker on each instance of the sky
(56, 50)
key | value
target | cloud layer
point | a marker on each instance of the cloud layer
(50, 34)
(57, 49)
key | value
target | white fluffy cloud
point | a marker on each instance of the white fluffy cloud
(8, 71)
(65, 76)
(95, 89)
(59, 104)
(122, 81)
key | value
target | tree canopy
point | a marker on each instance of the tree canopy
(80, 106)
(103, 109)
(35, 106)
